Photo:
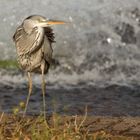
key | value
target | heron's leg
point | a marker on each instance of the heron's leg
(29, 93)
(43, 89)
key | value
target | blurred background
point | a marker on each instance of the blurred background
(97, 55)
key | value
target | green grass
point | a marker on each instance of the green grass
(12, 64)
(8, 64)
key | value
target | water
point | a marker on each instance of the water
(72, 100)
(98, 57)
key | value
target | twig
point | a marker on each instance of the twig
(84, 119)
(1, 116)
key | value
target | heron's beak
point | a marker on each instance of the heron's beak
(51, 22)
(55, 22)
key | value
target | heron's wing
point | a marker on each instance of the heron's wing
(27, 43)
(47, 45)
(47, 50)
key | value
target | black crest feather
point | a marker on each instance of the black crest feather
(50, 35)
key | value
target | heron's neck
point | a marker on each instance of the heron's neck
(40, 32)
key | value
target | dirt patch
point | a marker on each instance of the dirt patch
(126, 126)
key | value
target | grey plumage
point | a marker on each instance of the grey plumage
(33, 40)
(34, 47)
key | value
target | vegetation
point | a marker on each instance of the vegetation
(12, 64)
(31, 128)
(8, 64)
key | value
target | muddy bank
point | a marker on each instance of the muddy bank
(116, 126)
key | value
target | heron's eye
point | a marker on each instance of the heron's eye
(43, 20)
(35, 27)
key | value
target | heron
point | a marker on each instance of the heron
(33, 40)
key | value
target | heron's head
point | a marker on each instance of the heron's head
(39, 21)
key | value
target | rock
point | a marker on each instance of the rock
(127, 33)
